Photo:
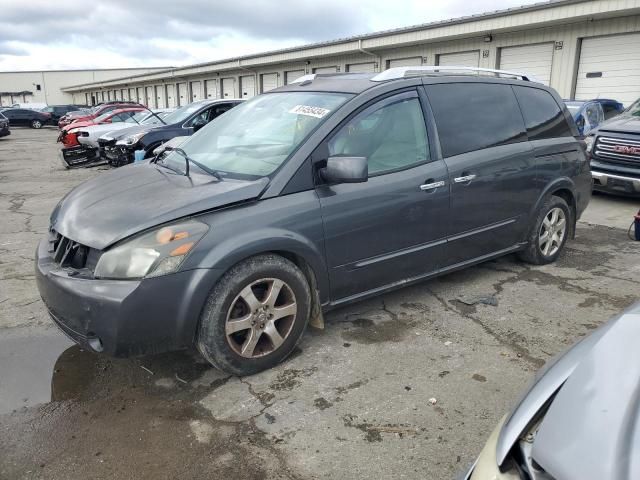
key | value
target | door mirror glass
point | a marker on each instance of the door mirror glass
(346, 170)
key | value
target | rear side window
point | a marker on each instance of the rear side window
(473, 116)
(542, 115)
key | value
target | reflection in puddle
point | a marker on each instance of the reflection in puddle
(27, 359)
(72, 373)
(41, 365)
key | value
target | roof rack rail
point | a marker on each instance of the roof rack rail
(402, 72)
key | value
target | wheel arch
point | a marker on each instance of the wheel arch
(290, 245)
(565, 189)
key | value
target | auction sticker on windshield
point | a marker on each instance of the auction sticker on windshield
(317, 112)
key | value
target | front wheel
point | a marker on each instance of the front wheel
(36, 124)
(549, 233)
(255, 315)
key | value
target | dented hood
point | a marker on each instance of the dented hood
(125, 201)
(592, 428)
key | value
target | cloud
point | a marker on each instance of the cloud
(43, 34)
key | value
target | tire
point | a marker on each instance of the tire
(252, 344)
(541, 249)
(36, 124)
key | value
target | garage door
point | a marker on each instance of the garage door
(247, 86)
(325, 70)
(210, 89)
(368, 67)
(160, 96)
(150, 97)
(196, 91)
(610, 68)
(183, 96)
(140, 98)
(536, 60)
(292, 75)
(269, 81)
(462, 59)
(405, 62)
(227, 86)
(171, 96)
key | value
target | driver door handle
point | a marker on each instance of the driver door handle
(431, 186)
(465, 179)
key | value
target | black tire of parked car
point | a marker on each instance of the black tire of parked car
(533, 253)
(212, 341)
(35, 123)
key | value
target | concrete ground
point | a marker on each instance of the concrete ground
(408, 385)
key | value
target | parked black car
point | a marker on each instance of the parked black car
(329, 190)
(57, 111)
(4, 126)
(118, 149)
(26, 117)
(615, 153)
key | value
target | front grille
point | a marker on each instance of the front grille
(68, 253)
(618, 150)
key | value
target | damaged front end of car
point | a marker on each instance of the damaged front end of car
(580, 418)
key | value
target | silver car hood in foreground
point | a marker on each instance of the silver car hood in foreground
(591, 430)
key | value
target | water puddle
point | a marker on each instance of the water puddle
(42, 365)
(27, 362)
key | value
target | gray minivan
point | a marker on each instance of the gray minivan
(323, 192)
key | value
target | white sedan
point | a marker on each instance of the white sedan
(88, 136)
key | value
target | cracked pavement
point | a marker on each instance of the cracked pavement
(354, 401)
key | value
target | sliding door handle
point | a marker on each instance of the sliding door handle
(433, 185)
(465, 179)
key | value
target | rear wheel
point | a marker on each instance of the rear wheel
(36, 123)
(255, 315)
(549, 233)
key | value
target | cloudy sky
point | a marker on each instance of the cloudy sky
(48, 34)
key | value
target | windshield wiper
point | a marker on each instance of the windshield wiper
(188, 159)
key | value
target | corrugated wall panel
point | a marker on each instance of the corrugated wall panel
(565, 56)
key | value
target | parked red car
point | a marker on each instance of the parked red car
(95, 112)
(68, 135)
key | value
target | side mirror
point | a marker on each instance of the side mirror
(346, 170)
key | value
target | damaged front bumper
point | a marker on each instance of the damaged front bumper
(80, 156)
(114, 155)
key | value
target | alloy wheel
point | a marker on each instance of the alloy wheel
(552, 231)
(261, 317)
(36, 124)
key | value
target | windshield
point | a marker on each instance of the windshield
(181, 114)
(256, 137)
(138, 117)
(633, 110)
(155, 118)
(102, 117)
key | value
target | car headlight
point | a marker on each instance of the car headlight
(154, 253)
(589, 143)
(131, 139)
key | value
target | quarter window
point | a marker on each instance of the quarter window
(392, 137)
(473, 116)
(542, 115)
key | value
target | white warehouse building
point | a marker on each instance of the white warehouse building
(582, 48)
(45, 86)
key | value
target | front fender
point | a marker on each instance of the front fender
(234, 249)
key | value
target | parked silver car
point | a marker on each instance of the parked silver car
(579, 419)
